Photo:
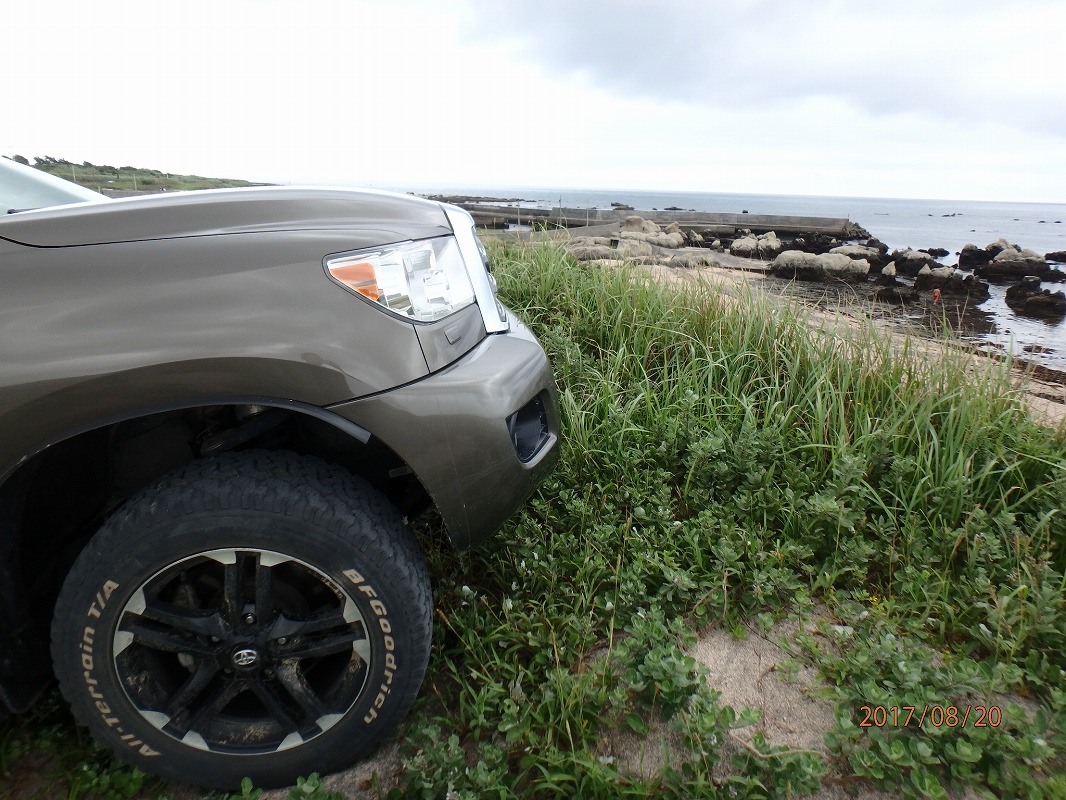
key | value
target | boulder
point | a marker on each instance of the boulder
(670, 240)
(897, 293)
(1012, 262)
(769, 246)
(766, 247)
(951, 281)
(1058, 256)
(691, 261)
(827, 266)
(1028, 298)
(814, 243)
(693, 239)
(591, 252)
(972, 256)
(876, 257)
(746, 247)
(639, 225)
(910, 262)
(633, 248)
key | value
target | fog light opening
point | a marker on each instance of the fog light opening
(528, 428)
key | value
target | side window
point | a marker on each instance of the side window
(23, 188)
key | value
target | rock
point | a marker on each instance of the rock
(669, 240)
(1028, 298)
(814, 243)
(631, 248)
(591, 252)
(935, 252)
(749, 245)
(639, 225)
(673, 227)
(746, 247)
(1053, 276)
(951, 281)
(878, 245)
(910, 262)
(691, 261)
(1012, 262)
(898, 294)
(890, 270)
(621, 207)
(826, 266)
(972, 256)
(769, 246)
(693, 239)
(1058, 256)
(876, 257)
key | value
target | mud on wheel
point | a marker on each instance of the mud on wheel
(258, 614)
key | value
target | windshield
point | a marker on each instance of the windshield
(23, 188)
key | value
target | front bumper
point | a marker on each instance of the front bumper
(451, 429)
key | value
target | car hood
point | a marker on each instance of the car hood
(226, 211)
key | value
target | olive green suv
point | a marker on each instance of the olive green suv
(218, 412)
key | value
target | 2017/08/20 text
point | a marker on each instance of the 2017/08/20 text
(936, 715)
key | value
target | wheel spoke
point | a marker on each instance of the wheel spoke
(168, 641)
(186, 696)
(291, 677)
(317, 646)
(232, 587)
(186, 620)
(211, 703)
(289, 627)
(277, 709)
(264, 592)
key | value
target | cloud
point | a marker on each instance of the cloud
(960, 61)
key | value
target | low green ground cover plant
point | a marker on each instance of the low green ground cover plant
(726, 464)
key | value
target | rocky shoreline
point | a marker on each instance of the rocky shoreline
(901, 277)
(911, 289)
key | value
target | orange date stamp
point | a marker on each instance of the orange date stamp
(937, 716)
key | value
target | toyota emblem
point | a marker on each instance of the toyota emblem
(245, 657)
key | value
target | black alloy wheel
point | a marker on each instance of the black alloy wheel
(256, 614)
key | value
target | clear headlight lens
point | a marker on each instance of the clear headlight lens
(423, 281)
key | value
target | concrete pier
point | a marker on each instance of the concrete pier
(719, 223)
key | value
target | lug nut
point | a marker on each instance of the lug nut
(283, 640)
(249, 619)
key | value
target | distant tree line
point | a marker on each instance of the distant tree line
(105, 177)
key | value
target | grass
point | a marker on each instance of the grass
(726, 464)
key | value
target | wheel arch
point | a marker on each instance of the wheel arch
(55, 497)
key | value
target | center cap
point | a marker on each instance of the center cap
(245, 657)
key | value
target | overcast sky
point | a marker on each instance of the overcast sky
(958, 99)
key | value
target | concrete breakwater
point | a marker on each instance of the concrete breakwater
(704, 222)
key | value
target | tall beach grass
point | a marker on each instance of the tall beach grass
(725, 463)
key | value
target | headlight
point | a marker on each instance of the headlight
(423, 281)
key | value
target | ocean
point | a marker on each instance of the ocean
(897, 222)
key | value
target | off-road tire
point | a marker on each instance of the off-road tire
(256, 614)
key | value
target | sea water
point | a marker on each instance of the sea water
(899, 223)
